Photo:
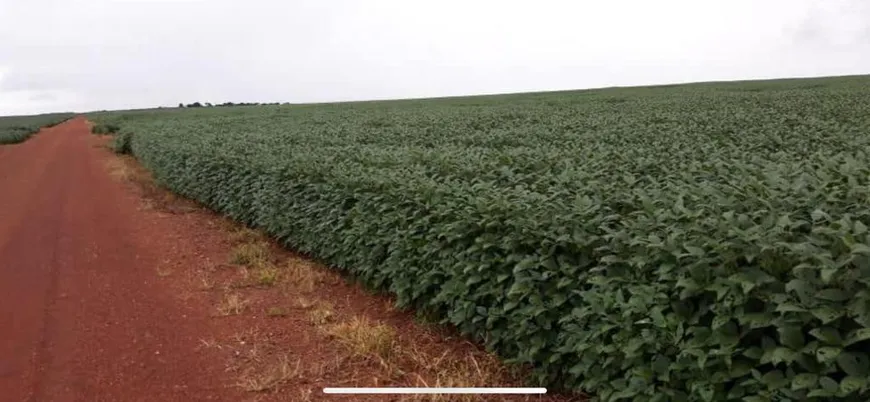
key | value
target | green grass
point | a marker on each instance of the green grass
(692, 242)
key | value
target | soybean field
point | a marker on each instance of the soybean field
(693, 242)
(16, 129)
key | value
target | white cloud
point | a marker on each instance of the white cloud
(30, 102)
(99, 54)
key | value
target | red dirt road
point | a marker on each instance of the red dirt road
(82, 317)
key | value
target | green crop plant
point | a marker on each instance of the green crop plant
(700, 242)
(16, 129)
(105, 129)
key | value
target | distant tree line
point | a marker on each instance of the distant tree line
(225, 104)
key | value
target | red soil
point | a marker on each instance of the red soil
(82, 317)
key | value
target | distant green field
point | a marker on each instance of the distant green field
(15, 129)
(687, 242)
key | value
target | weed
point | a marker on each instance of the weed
(206, 283)
(271, 377)
(449, 371)
(209, 344)
(304, 303)
(267, 276)
(118, 170)
(363, 338)
(245, 235)
(303, 275)
(249, 253)
(321, 314)
(276, 312)
(233, 304)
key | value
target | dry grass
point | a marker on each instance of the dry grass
(272, 376)
(168, 198)
(248, 336)
(245, 275)
(205, 282)
(232, 304)
(241, 234)
(252, 353)
(119, 170)
(317, 370)
(125, 169)
(304, 302)
(321, 313)
(164, 272)
(276, 312)
(210, 344)
(450, 371)
(262, 273)
(303, 275)
(250, 253)
(364, 338)
(304, 395)
(407, 364)
(228, 225)
(256, 360)
(267, 275)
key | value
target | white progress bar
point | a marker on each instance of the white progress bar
(475, 391)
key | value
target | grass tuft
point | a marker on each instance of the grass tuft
(304, 303)
(119, 170)
(303, 275)
(267, 276)
(271, 377)
(276, 312)
(233, 304)
(364, 338)
(321, 313)
(250, 253)
(245, 235)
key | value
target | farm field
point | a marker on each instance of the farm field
(689, 242)
(16, 129)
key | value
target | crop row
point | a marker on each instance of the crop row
(699, 242)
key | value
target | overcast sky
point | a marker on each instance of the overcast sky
(58, 55)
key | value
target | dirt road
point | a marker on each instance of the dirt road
(82, 317)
